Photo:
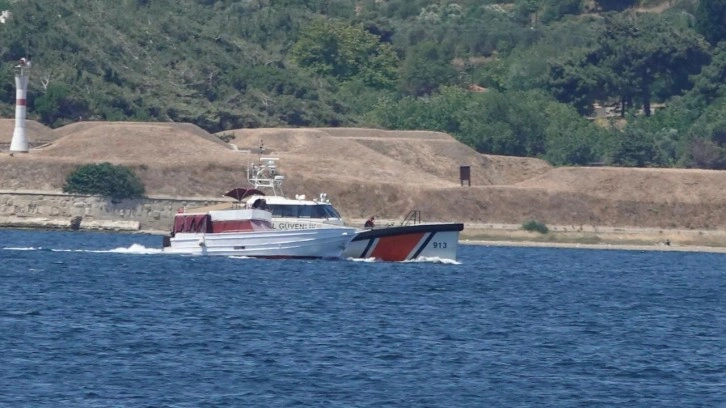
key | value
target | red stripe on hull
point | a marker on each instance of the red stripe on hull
(397, 247)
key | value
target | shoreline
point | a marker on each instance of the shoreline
(594, 237)
(604, 246)
(591, 237)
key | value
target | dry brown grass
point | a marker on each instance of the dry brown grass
(639, 185)
(387, 173)
(36, 133)
(144, 143)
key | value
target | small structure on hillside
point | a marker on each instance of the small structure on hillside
(465, 174)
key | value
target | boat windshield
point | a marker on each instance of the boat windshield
(303, 211)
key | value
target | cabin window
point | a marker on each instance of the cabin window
(330, 211)
(303, 211)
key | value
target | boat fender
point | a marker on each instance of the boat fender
(202, 243)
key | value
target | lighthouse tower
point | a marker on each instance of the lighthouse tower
(19, 142)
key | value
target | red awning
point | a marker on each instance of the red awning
(199, 223)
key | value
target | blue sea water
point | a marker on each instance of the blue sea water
(105, 320)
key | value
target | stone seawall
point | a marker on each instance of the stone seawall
(43, 209)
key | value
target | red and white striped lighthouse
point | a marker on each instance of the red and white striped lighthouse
(19, 142)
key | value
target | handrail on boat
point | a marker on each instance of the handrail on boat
(413, 218)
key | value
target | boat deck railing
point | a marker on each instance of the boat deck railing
(412, 218)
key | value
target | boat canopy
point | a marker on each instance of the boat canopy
(240, 193)
(192, 223)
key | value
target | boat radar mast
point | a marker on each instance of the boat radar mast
(264, 175)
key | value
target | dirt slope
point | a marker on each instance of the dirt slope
(386, 173)
(36, 133)
(162, 143)
(640, 185)
(409, 157)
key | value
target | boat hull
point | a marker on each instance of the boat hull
(404, 243)
(305, 244)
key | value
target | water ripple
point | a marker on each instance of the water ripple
(97, 320)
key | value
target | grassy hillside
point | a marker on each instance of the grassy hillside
(186, 61)
(226, 64)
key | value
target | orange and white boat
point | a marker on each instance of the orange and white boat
(408, 241)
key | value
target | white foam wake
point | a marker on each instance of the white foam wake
(362, 259)
(435, 259)
(136, 249)
(417, 260)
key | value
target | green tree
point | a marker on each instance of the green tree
(7, 90)
(711, 20)
(635, 148)
(666, 130)
(633, 53)
(706, 154)
(345, 52)
(523, 11)
(615, 5)
(710, 83)
(570, 139)
(707, 138)
(58, 103)
(577, 82)
(105, 179)
(425, 69)
(556, 9)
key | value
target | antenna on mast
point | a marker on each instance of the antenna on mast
(264, 173)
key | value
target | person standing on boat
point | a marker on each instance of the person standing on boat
(370, 222)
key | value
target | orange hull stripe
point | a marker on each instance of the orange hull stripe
(396, 248)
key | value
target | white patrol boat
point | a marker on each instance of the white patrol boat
(408, 241)
(244, 228)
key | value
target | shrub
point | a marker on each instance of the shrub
(226, 137)
(105, 179)
(535, 226)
